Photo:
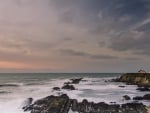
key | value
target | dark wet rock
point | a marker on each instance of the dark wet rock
(143, 89)
(115, 80)
(106, 81)
(69, 87)
(56, 88)
(27, 108)
(90, 107)
(67, 83)
(138, 98)
(126, 97)
(146, 97)
(122, 86)
(62, 104)
(134, 108)
(76, 80)
(52, 104)
(112, 102)
(74, 106)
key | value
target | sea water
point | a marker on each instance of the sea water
(16, 88)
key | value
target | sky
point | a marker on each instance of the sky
(74, 35)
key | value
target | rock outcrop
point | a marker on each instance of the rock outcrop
(62, 104)
(143, 89)
(145, 97)
(68, 87)
(140, 79)
(138, 98)
(56, 88)
(76, 81)
(126, 97)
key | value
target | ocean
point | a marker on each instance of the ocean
(15, 88)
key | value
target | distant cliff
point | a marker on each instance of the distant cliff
(140, 79)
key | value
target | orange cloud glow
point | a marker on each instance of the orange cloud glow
(16, 65)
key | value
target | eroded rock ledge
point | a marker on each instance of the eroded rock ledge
(140, 79)
(62, 104)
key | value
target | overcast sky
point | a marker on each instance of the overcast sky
(74, 35)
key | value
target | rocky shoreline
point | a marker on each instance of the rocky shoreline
(64, 104)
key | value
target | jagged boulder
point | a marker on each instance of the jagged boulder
(52, 104)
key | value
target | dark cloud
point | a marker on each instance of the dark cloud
(137, 9)
(134, 8)
(133, 59)
(67, 39)
(128, 42)
(71, 52)
(123, 43)
(123, 21)
(103, 57)
(102, 43)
